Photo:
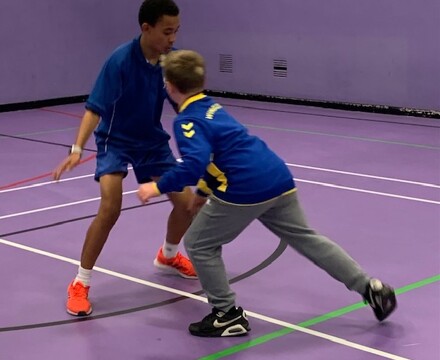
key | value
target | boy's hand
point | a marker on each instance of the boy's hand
(67, 164)
(147, 191)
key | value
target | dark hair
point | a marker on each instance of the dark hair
(152, 10)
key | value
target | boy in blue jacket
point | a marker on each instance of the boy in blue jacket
(242, 180)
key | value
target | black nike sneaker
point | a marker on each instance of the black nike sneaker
(381, 298)
(219, 323)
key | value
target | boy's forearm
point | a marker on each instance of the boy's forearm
(88, 123)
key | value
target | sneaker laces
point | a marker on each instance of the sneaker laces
(215, 313)
(180, 262)
(79, 290)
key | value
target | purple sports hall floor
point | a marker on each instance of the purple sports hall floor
(368, 181)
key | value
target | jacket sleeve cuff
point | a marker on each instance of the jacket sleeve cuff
(201, 193)
(156, 188)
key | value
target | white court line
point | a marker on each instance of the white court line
(203, 299)
(296, 179)
(50, 182)
(45, 183)
(58, 206)
(368, 191)
(364, 175)
(288, 164)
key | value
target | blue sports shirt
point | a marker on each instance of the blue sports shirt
(222, 158)
(128, 95)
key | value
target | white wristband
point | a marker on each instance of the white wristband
(76, 149)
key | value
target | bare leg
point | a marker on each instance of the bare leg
(180, 217)
(78, 303)
(168, 258)
(108, 214)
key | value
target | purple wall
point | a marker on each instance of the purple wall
(55, 48)
(372, 52)
(383, 52)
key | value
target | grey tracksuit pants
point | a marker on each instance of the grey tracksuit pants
(219, 223)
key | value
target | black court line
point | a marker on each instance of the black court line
(275, 255)
(41, 141)
(75, 219)
(332, 116)
(43, 103)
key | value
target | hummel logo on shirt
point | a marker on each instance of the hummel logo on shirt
(187, 126)
(189, 134)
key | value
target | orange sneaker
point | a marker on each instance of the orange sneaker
(78, 303)
(179, 265)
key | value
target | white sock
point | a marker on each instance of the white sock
(84, 275)
(169, 250)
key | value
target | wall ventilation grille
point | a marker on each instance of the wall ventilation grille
(280, 68)
(225, 65)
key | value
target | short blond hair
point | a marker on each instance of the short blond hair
(185, 69)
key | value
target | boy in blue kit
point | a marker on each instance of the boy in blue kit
(244, 180)
(124, 111)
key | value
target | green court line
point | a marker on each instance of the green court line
(331, 315)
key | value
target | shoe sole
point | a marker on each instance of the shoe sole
(233, 331)
(80, 313)
(171, 270)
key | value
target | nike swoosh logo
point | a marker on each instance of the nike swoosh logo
(372, 304)
(379, 301)
(218, 324)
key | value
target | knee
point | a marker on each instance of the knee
(109, 212)
(182, 201)
(183, 209)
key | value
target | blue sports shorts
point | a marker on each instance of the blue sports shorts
(146, 163)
